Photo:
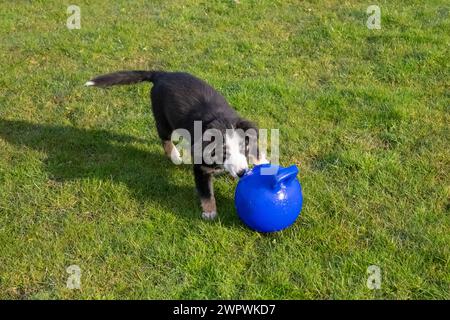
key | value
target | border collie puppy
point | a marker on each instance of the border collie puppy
(178, 99)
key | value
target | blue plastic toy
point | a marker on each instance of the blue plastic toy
(269, 198)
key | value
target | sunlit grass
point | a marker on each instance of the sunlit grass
(363, 113)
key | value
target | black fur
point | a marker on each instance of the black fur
(124, 77)
(178, 99)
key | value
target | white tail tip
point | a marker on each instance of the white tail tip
(89, 83)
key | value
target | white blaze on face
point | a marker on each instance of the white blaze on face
(235, 161)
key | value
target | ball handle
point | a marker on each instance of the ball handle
(284, 176)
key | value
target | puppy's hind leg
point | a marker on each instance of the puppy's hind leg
(172, 152)
(164, 133)
(164, 130)
(203, 182)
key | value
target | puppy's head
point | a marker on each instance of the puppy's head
(238, 145)
(235, 160)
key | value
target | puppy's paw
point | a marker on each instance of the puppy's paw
(172, 152)
(209, 215)
(175, 156)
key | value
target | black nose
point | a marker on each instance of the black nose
(240, 173)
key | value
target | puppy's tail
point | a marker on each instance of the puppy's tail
(123, 77)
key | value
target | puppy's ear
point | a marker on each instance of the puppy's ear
(250, 132)
(245, 124)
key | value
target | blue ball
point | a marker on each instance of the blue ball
(269, 198)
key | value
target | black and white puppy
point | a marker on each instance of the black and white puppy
(178, 99)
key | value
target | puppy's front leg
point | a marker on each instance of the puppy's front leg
(203, 182)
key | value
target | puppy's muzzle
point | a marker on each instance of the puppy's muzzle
(241, 173)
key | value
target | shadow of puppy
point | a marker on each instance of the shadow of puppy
(74, 153)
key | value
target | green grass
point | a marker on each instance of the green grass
(363, 113)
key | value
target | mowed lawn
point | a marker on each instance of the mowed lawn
(363, 113)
